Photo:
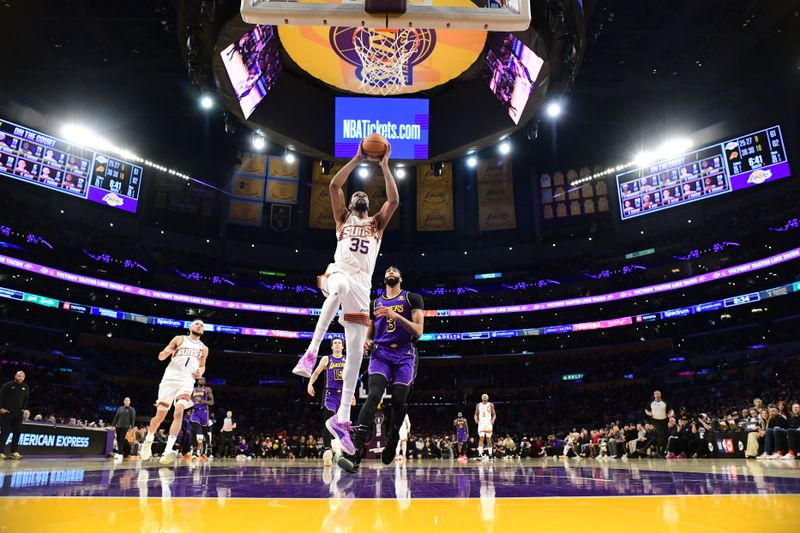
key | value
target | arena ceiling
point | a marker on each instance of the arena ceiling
(118, 66)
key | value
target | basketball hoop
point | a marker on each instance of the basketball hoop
(384, 55)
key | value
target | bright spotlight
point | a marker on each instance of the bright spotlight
(289, 157)
(258, 141)
(674, 147)
(505, 147)
(553, 109)
(400, 173)
(363, 172)
(206, 102)
(472, 161)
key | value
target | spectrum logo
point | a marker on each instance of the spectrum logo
(759, 176)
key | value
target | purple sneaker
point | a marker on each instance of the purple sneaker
(342, 431)
(305, 365)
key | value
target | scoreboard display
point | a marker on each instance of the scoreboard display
(31, 156)
(732, 165)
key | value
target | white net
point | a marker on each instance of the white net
(384, 56)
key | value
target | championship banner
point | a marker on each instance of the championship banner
(375, 187)
(248, 187)
(320, 214)
(282, 191)
(282, 169)
(251, 164)
(434, 199)
(496, 195)
(245, 212)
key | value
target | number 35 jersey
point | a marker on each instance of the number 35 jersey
(358, 246)
(387, 331)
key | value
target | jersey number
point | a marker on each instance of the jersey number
(390, 325)
(359, 245)
(337, 375)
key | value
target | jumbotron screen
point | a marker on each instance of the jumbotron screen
(510, 70)
(46, 161)
(253, 64)
(731, 165)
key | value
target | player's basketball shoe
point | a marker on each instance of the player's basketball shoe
(305, 366)
(15, 456)
(348, 463)
(147, 450)
(327, 458)
(342, 431)
(168, 458)
(388, 453)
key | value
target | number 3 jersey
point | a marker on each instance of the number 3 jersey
(387, 330)
(358, 246)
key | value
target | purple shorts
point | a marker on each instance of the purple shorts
(461, 436)
(333, 397)
(397, 365)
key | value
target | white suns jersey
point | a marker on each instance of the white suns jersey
(358, 244)
(186, 360)
(485, 412)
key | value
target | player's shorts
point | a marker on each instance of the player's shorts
(333, 397)
(461, 437)
(175, 390)
(200, 417)
(396, 364)
(355, 304)
(485, 429)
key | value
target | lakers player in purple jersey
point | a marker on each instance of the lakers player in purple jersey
(347, 282)
(202, 397)
(461, 426)
(398, 322)
(333, 366)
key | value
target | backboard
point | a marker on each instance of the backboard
(485, 15)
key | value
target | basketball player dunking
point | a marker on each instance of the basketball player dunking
(333, 365)
(187, 363)
(462, 431)
(347, 283)
(485, 416)
(399, 321)
(202, 397)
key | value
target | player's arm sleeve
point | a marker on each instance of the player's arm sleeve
(416, 301)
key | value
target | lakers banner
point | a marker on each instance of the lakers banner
(282, 169)
(245, 212)
(282, 191)
(496, 195)
(248, 187)
(375, 187)
(320, 213)
(434, 199)
(252, 164)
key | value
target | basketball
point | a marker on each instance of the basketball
(374, 146)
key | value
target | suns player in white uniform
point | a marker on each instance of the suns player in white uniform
(187, 363)
(347, 283)
(484, 417)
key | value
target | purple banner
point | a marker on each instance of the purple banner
(112, 199)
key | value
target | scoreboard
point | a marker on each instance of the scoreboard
(732, 165)
(39, 159)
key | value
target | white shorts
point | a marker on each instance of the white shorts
(173, 390)
(484, 429)
(403, 434)
(356, 302)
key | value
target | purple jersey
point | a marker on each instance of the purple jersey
(387, 331)
(334, 370)
(200, 410)
(461, 429)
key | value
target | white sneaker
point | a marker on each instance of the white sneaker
(168, 458)
(327, 458)
(762, 457)
(773, 456)
(788, 457)
(147, 451)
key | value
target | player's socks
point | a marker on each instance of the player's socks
(170, 443)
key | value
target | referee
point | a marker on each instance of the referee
(659, 414)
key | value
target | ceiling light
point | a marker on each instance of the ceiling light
(505, 147)
(206, 102)
(553, 109)
(472, 161)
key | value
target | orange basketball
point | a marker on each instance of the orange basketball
(374, 146)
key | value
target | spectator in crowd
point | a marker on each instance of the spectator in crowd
(160, 442)
(124, 420)
(782, 409)
(776, 420)
(13, 401)
(755, 438)
(791, 434)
